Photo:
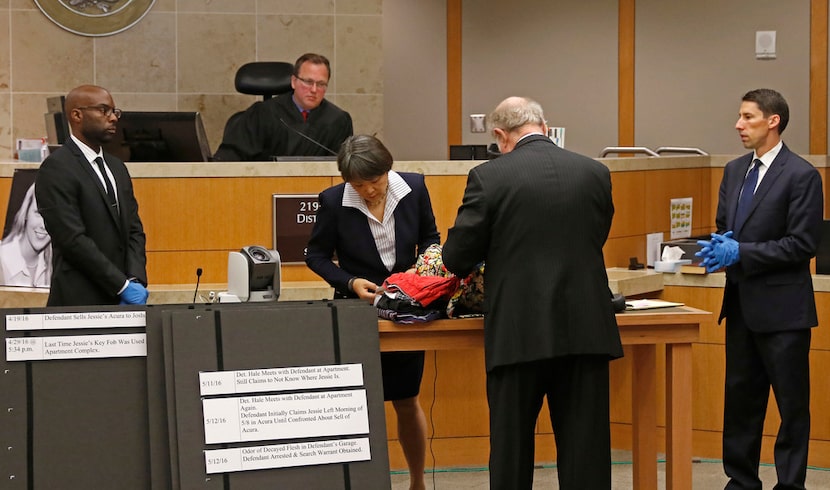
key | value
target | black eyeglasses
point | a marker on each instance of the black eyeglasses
(106, 110)
(311, 83)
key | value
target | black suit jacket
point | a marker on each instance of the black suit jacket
(538, 216)
(779, 237)
(275, 127)
(345, 231)
(96, 247)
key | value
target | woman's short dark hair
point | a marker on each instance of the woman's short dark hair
(363, 157)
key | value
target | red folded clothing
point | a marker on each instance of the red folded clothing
(423, 289)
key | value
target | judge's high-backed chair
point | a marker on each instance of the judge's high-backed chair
(265, 78)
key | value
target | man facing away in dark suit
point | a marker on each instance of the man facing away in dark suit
(538, 216)
(86, 199)
(770, 210)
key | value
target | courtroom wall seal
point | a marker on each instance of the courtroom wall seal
(95, 17)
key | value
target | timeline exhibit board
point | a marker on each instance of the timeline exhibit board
(89, 410)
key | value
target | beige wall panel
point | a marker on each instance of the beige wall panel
(140, 59)
(24, 125)
(237, 6)
(295, 6)
(188, 49)
(694, 61)
(211, 47)
(366, 112)
(357, 38)
(359, 7)
(563, 54)
(36, 64)
(415, 79)
(141, 101)
(286, 36)
(6, 140)
(215, 111)
(5, 53)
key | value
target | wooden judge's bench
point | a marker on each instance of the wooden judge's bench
(195, 213)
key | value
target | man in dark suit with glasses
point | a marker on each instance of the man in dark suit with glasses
(86, 199)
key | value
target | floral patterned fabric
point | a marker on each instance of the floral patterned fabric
(468, 299)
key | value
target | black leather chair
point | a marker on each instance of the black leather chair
(265, 78)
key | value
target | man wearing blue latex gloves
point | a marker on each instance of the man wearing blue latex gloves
(85, 196)
(772, 202)
(722, 251)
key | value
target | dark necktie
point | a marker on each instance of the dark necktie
(110, 191)
(305, 115)
(747, 193)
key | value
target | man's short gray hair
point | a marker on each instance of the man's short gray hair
(514, 112)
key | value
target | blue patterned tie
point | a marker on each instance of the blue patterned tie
(745, 201)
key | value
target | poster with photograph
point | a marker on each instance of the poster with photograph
(26, 248)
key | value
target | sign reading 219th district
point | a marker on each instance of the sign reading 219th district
(294, 218)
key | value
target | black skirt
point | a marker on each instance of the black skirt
(402, 372)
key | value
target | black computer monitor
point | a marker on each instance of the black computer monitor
(160, 137)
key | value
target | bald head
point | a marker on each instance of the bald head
(86, 108)
(513, 118)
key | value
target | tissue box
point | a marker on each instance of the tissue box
(670, 265)
(689, 246)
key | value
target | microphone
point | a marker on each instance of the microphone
(198, 278)
(309, 138)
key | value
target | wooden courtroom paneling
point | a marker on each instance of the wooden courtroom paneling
(195, 222)
(661, 186)
(820, 395)
(709, 375)
(214, 213)
(629, 204)
(617, 251)
(445, 192)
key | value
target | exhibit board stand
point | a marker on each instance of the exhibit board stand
(231, 397)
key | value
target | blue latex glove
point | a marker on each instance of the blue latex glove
(727, 251)
(134, 294)
(706, 251)
(721, 251)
